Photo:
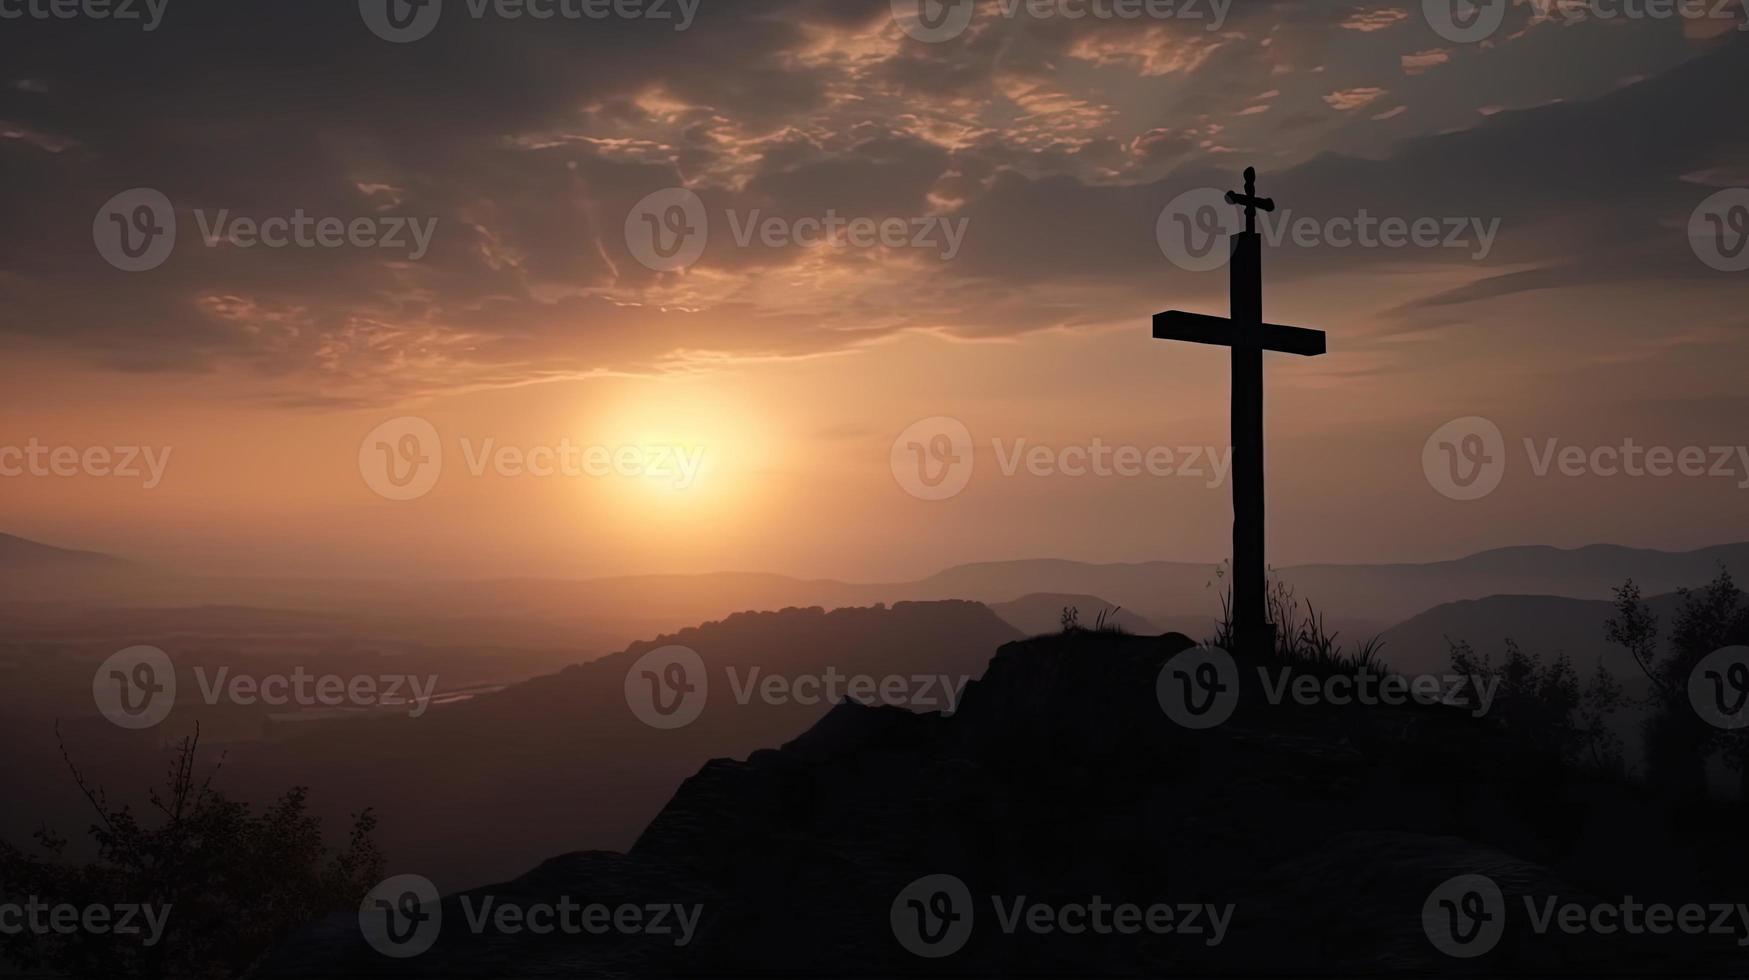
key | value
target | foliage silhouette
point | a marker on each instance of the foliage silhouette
(1105, 622)
(1301, 641)
(1544, 706)
(228, 883)
(1678, 742)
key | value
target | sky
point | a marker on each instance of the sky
(857, 288)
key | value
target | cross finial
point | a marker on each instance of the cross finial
(1251, 201)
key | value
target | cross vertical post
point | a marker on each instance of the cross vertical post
(1251, 627)
(1248, 336)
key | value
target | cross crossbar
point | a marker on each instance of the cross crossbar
(1200, 328)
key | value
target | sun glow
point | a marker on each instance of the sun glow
(683, 455)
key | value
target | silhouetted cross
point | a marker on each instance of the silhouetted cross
(1246, 333)
(1251, 201)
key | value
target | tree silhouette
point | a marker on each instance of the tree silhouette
(1678, 742)
(226, 882)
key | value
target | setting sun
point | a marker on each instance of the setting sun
(692, 454)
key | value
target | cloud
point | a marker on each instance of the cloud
(1353, 98)
(1422, 61)
(529, 143)
(1369, 19)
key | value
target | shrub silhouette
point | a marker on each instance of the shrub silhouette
(228, 882)
(1301, 641)
(1678, 742)
(1105, 622)
(1071, 619)
(1544, 706)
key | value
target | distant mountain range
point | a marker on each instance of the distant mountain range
(1540, 624)
(1359, 599)
(16, 552)
(30, 571)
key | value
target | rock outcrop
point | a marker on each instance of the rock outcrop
(1322, 831)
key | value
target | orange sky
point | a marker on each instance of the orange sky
(791, 371)
(797, 475)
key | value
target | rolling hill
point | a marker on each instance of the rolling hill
(1358, 599)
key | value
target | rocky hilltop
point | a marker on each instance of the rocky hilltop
(1293, 839)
